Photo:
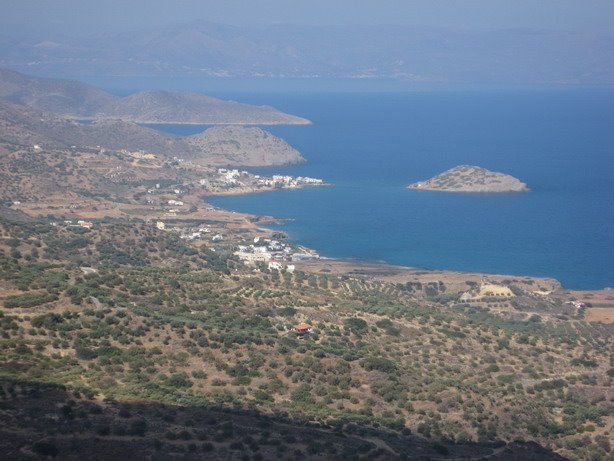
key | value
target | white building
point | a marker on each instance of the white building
(275, 265)
(160, 225)
(253, 257)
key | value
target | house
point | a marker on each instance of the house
(290, 268)
(275, 265)
(192, 236)
(576, 304)
(160, 225)
(253, 257)
(217, 238)
(304, 256)
(86, 224)
(175, 202)
(302, 329)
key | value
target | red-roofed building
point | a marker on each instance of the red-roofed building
(302, 328)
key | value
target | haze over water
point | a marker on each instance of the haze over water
(370, 145)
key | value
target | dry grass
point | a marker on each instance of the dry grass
(599, 314)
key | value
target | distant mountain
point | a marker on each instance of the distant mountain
(175, 107)
(65, 97)
(416, 54)
(230, 145)
(78, 100)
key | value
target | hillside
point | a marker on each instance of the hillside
(175, 107)
(206, 346)
(244, 146)
(22, 125)
(77, 100)
(144, 332)
(468, 178)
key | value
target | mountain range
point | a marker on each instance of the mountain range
(53, 113)
(414, 54)
(82, 101)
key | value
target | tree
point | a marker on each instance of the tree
(356, 325)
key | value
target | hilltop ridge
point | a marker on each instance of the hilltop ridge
(78, 100)
(245, 146)
(227, 145)
(470, 178)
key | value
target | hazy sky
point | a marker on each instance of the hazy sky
(113, 15)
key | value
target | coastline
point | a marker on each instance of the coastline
(301, 122)
(455, 279)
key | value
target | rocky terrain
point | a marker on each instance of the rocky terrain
(26, 126)
(78, 100)
(244, 146)
(468, 178)
(232, 145)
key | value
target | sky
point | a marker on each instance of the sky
(97, 16)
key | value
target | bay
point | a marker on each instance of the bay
(370, 145)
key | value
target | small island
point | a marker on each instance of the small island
(468, 178)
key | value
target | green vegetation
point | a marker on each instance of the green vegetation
(162, 321)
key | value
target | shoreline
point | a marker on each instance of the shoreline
(359, 265)
(598, 304)
(302, 122)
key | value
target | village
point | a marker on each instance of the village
(169, 196)
(225, 179)
(274, 253)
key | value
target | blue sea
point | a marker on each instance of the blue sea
(370, 144)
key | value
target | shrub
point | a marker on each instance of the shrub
(356, 325)
(302, 394)
(29, 300)
(378, 363)
(138, 427)
(48, 321)
(45, 448)
(179, 380)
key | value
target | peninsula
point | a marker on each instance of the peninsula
(468, 178)
(80, 101)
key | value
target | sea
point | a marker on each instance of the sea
(370, 143)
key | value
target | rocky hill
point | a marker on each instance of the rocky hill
(178, 107)
(23, 125)
(244, 146)
(228, 145)
(468, 178)
(78, 100)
